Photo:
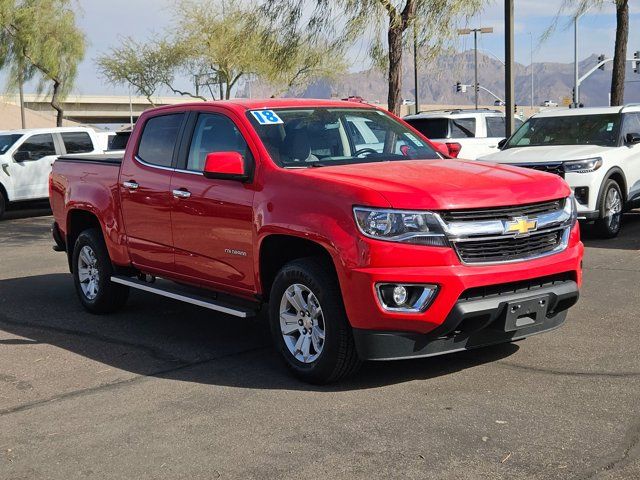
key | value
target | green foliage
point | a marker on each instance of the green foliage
(144, 66)
(384, 22)
(40, 40)
(220, 46)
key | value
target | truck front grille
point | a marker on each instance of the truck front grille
(506, 249)
(503, 213)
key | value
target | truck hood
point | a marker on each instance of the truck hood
(445, 184)
(555, 153)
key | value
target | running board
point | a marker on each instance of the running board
(185, 297)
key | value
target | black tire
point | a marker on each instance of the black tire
(109, 296)
(608, 225)
(338, 357)
(3, 204)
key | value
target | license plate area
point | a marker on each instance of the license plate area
(526, 313)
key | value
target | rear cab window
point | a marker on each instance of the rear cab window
(77, 142)
(432, 128)
(463, 127)
(159, 138)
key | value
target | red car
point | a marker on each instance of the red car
(360, 239)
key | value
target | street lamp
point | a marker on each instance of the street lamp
(475, 31)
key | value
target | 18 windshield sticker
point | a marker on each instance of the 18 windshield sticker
(266, 117)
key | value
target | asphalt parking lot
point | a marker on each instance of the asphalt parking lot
(165, 390)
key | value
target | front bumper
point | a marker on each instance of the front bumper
(472, 323)
(406, 264)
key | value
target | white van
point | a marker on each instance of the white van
(26, 157)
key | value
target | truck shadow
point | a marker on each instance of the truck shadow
(38, 208)
(628, 239)
(158, 337)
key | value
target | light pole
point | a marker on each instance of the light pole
(509, 71)
(475, 31)
(576, 67)
(532, 103)
(415, 65)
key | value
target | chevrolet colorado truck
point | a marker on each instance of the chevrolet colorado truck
(339, 219)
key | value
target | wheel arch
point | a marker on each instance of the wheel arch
(618, 175)
(276, 250)
(79, 220)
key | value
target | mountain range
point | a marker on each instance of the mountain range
(437, 79)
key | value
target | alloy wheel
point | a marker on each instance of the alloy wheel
(302, 323)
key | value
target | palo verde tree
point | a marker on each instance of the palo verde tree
(144, 66)
(220, 45)
(578, 7)
(40, 41)
(387, 24)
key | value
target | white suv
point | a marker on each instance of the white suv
(26, 157)
(596, 150)
(467, 134)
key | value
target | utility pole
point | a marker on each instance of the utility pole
(415, 65)
(509, 57)
(475, 31)
(22, 112)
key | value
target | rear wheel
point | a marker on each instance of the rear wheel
(309, 325)
(3, 204)
(92, 270)
(611, 206)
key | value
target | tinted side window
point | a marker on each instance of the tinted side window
(38, 146)
(77, 142)
(214, 133)
(432, 128)
(463, 127)
(631, 124)
(159, 139)
(496, 127)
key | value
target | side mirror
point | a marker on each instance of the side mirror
(441, 148)
(22, 155)
(502, 143)
(225, 166)
(633, 138)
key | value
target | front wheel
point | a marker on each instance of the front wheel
(611, 206)
(92, 270)
(309, 325)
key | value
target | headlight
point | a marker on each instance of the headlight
(583, 166)
(571, 209)
(422, 228)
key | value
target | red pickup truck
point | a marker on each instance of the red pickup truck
(345, 223)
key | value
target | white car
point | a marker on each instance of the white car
(26, 157)
(549, 103)
(596, 150)
(467, 134)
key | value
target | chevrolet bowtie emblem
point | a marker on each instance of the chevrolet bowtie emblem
(520, 225)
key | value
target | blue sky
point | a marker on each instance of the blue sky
(105, 23)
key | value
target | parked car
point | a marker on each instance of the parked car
(549, 103)
(594, 149)
(468, 134)
(359, 250)
(499, 103)
(26, 157)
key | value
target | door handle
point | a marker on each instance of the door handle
(181, 193)
(132, 185)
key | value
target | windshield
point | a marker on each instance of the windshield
(7, 141)
(568, 130)
(318, 137)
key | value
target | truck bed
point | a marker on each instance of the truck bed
(102, 158)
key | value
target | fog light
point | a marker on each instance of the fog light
(582, 195)
(405, 298)
(399, 295)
